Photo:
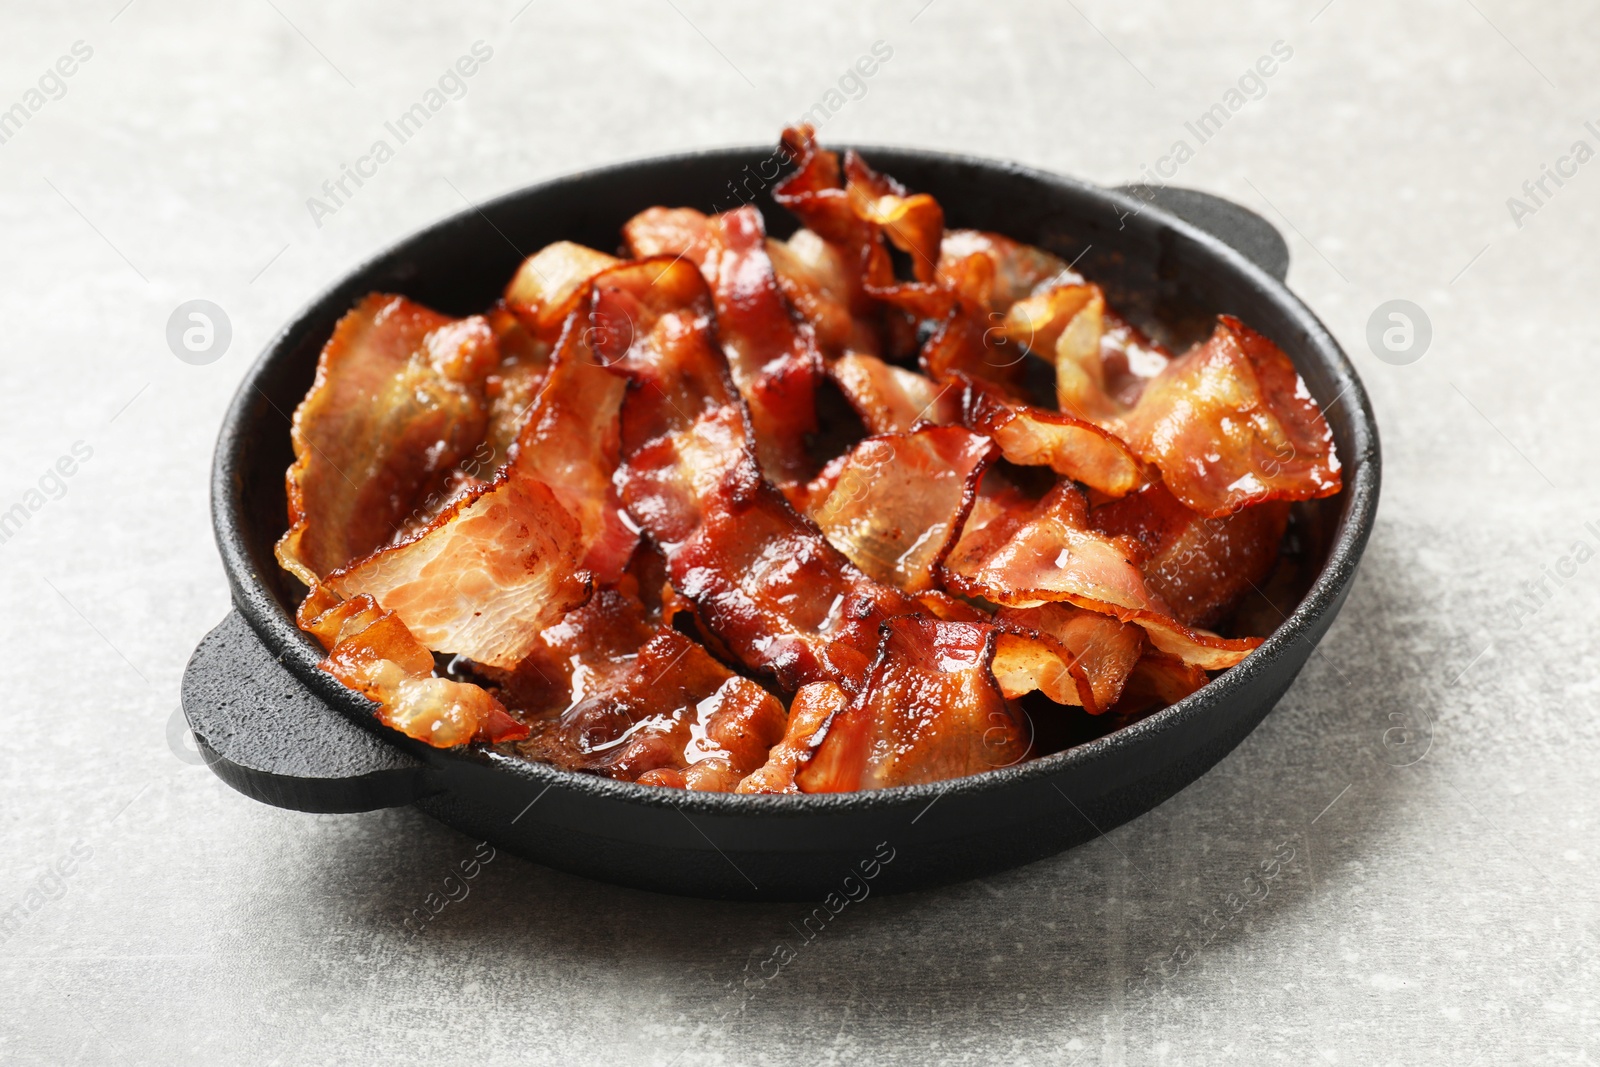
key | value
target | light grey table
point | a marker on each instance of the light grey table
(1436, 901)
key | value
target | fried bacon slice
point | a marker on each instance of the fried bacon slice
(1052, 646)
(675, 232)
(895, 503)
(651, 322)
(994, 271)
(1199, 566)
(510, 388)
(891, 399)
(372, 652)
(398, 401)
(586, 651)
(986, 364)
(1034, 436)
(930, 710)
(763, 581)
(611, 689)
(485, 577)
(816, 193)
(503, 560)
(967, 344)
(571, 441)
(773, 357)
(810, 710)
(913, 223)
(1236, 397)
(761, 577)
(1024, 556)
(666, 713)
(1156, 681)
(1103, 363)
(1229, 423)
(549, 285)
(851, 209)
(822, 289)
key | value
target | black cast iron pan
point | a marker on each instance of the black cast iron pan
(279, 730)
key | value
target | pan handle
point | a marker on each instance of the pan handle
(1246, 232)
(261, 732)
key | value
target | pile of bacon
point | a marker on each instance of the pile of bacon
(611, 507)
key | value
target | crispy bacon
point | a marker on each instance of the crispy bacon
(967, 344)
(1229, 423)
(612, 689)
(1157, 680)
(894, 506)
(822, 289)
(668, 231)
(651, 322)
(484, 577)
(985, 362)
(398, 401)
(930, 710)
(895, 503)
(773, 358)
(1199, 566)
(891, 399)
(1094, 651)
(672, 716)
(602, 498)
(572, 442)
(587, 651)
(810, 710)
(762, 579)
(851, 208)
(1237, 398)
(549, 285)
(914, 223)
(1033, 436)
(510, 387)
(1103, 363)
(1048, 553)
(995, 271)
(374, 653)
(1029, 661)
(817, 194)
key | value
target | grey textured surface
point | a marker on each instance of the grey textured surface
(1425, 794)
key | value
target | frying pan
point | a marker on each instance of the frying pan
(274, 727)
